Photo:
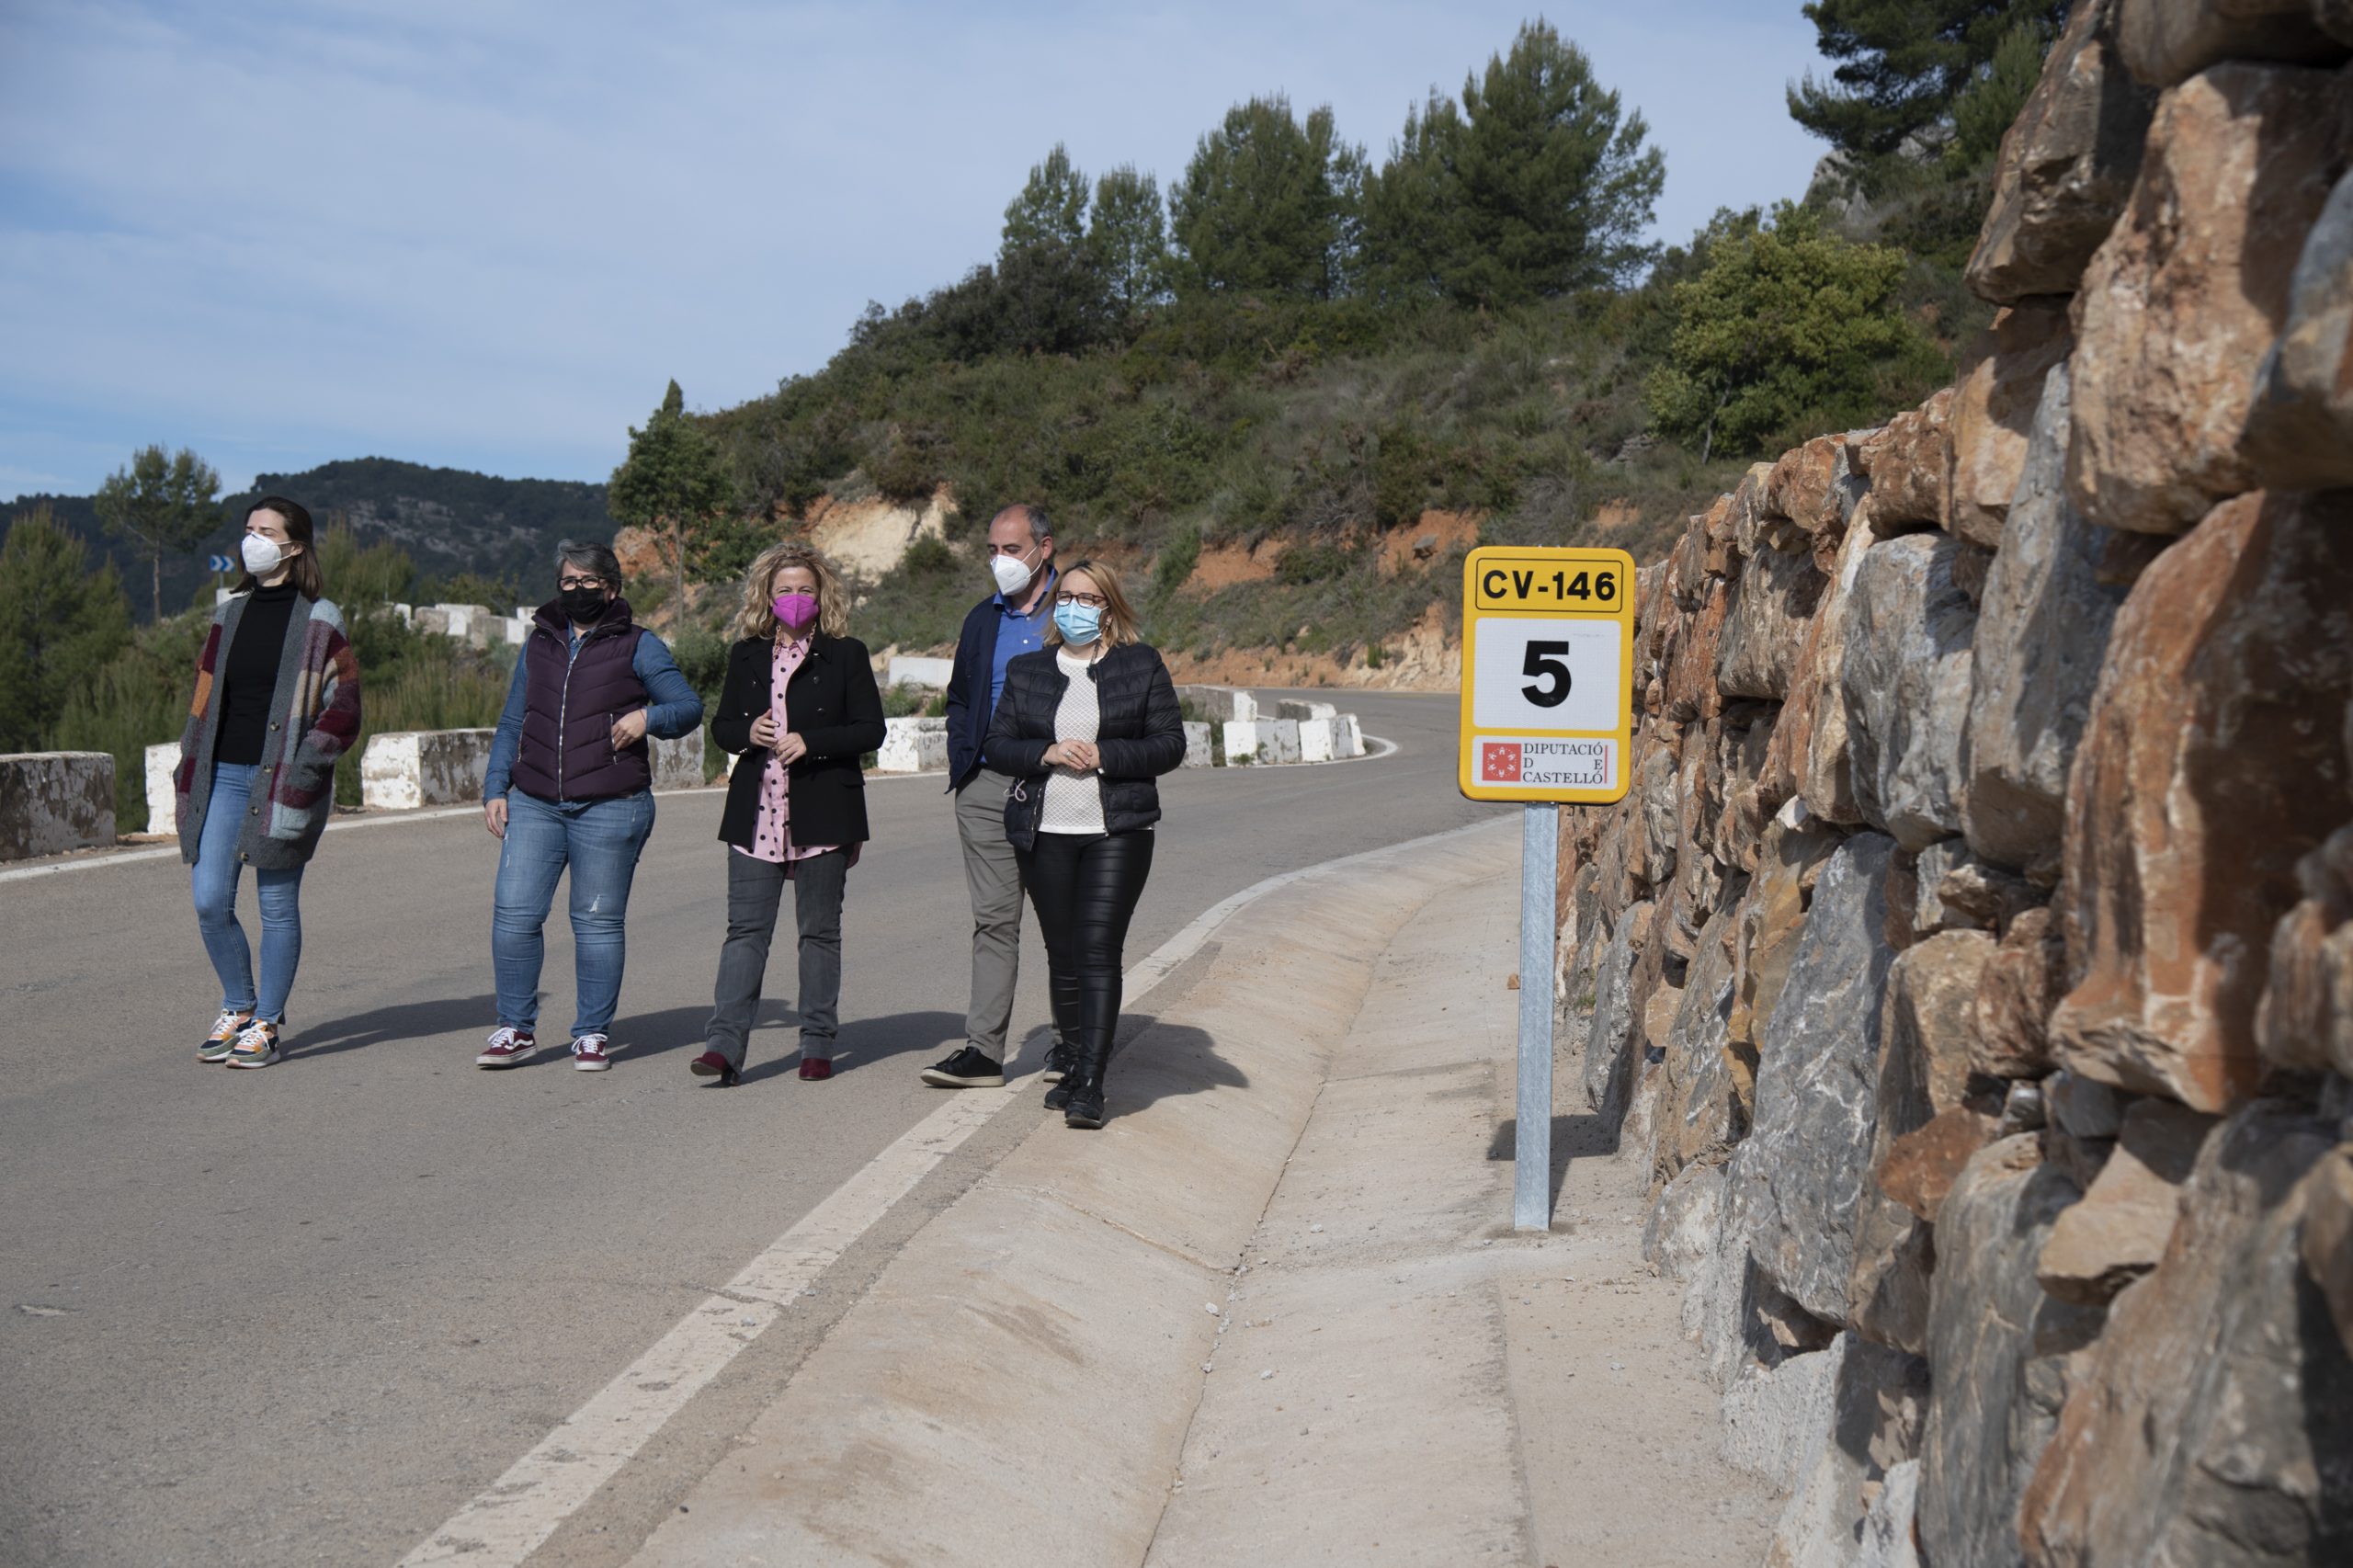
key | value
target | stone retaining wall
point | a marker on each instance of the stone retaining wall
(54, 801)
(1969, 975)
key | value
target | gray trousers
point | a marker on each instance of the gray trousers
(754, 892)
(993, 875)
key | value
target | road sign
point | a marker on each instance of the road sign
(1548, 648)
(218, 564)
(1548, 651)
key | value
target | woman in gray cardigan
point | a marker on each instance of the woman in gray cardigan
(276, 702)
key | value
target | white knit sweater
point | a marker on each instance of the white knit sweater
(1074, 799)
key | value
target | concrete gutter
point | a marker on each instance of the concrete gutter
(1017, 1385)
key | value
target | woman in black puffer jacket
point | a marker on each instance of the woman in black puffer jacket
(1085, 725)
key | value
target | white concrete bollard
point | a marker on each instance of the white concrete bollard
(1348, 736)
(677, 764)
(513, 630)
(1198, 751)
(1265, 742)
(163, 812)
(913, 746)
(1295, 707)
(1316, 741)
(404, 769)
(907, 670)
(54, 801)
(1222, 703)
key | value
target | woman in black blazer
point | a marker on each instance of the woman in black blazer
(799, 711)
(1085, 725)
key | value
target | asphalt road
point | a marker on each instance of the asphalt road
(303, 1314)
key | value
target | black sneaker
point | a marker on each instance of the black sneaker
(968, 1069)
(1059, 1061)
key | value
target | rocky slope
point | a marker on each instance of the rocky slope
(1974, 956)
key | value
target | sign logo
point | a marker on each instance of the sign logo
(1499, 762)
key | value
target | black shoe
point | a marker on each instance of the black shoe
(968, 1069)
(1084, 1106)
(1082, 1092)
(1059, 1095)
(1059, 1061)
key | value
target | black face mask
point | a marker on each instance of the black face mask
(585, 606)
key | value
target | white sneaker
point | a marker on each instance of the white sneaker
(588, 1054)
(509, 1046)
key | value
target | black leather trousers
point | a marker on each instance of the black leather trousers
(1084, 887)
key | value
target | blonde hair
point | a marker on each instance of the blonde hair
(757, 618)
(1119, 626)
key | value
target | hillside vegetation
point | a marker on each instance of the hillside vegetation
(1297, 352)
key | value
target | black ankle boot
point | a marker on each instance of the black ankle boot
(1082, 1091)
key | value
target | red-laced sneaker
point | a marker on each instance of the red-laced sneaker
(588, 1054)
(508, 1045)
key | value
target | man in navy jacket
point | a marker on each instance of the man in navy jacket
(1008, 622)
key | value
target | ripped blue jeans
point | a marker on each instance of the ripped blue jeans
(599, 840)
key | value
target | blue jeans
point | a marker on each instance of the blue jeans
(213, 880)
(601, 841)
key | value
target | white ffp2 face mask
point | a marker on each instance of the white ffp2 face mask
(1012, 574)
(262, 554)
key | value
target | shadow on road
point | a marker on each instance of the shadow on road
(859, 1043)
(1153, 1062)
(1573, 1137)
(410, 1020)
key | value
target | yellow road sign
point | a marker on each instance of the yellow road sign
(1548, 659)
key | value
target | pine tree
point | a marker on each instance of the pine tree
(165, 505)
(675, 483)
(1537, 185)
(1051, 208)
(1128, 238)
(59, 623)
(1902, 66)
(1268, 204)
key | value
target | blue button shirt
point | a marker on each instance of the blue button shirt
(1016, 634)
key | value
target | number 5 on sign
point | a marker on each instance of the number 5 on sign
(1547, 665)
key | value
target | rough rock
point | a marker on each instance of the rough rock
(1928, 1027)
(2305, 1020)
(2120, 1230)
(2016, 992)
(1923, 1164)
(1679, 1234)
(1752, 515)
(1821, 735)
(1906, 679)
(1974, 893)
(2299, 430)
(1609, 1033)
(1702, 1113)
(1772, 609)
(2082, 1107)
(1889, 1524)
(1906, 463)
(2066, 166)
(2042, 630)
(2164, 41)
(2201, 782)
(2213, 1421)
(1690, 684)
(1992, 407)
(1817, 486)
(1798, 1177)
(1997, 1356)
(2180, 305)
(1772, 918)
(2327, 1245)
(1878, 1399)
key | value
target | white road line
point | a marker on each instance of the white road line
(519, 1510)
(335, 824)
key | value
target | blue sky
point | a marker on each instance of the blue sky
(485, 233)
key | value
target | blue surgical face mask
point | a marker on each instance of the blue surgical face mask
(1079, 624)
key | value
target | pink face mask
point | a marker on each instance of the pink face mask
(796, 610)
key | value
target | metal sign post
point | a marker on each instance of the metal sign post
(1548, 639)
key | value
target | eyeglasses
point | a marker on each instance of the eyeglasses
(579, 582)
(1092, 601)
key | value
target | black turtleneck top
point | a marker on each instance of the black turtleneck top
(249, 674)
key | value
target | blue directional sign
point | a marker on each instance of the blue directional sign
(218, 564)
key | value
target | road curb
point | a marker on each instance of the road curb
(1039, 1342)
